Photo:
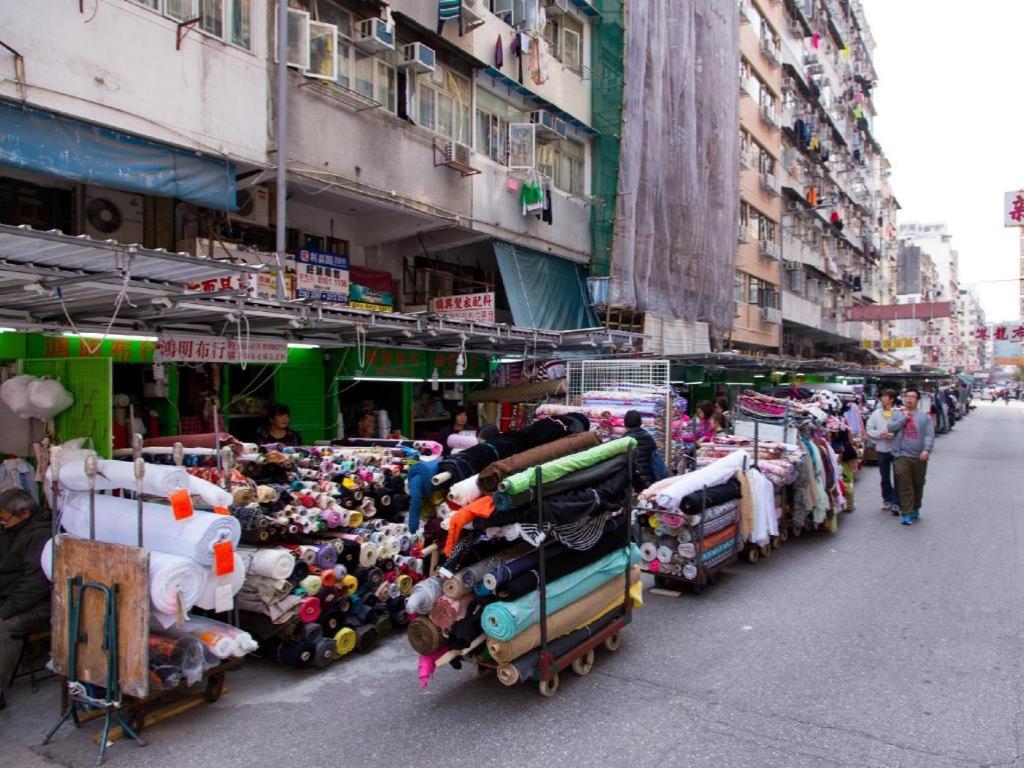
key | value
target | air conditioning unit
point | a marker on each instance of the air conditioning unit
(770, 183)
(372, 36)
(769, 50)
(737, 309)
(792, 266)
(796, 29)
(555, 7)
(418, 58)
(108, 214)
(797, 280)
(769, 117)
(549, 127)
(744, 11)
(789, 83)
(770, 249)
(771, 315)
(458, 156)
(747, 158)
(253, 206)
(744, 234)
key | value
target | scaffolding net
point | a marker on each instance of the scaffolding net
(674, 246)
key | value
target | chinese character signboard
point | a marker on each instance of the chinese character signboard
(478, 307)
(179, 348)
(365, 297)
(321, 276)
(1013, 208)
(262, 286)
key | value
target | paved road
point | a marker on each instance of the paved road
(879, 646)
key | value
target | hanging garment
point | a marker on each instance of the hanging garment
(547, 214)
(448, 10)
(499, 53)
(766, 523)
(516, 48)
(531, 196)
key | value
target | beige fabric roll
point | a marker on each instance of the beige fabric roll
(491, 475)
(564, 621)
(520, 393)
(746, 505)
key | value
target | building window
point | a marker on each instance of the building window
(358, 71)
(754, 292)
(738, 285)
(493, 116)
(563, 163)
(444, 100)
(227, 20)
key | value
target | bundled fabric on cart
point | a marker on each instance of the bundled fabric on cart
(493, 474)
(669, 493)
(157, 480)
(173, 660)
(194, 536)
(580, 478)
(523, 668)
(559, 468)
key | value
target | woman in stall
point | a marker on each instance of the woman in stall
(705, 427)
(277, 429)
(459, 423)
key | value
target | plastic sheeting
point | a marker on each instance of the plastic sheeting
(34, 140)
(544, 291)
(674, 252)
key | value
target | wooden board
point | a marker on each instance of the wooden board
(109, 564)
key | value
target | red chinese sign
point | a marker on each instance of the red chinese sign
(478, 307)
(921, 311)
(218, 349)
(1000, 333)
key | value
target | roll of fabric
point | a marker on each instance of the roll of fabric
(574, 615)
(326, 557)
(462, 583)
(465, 491)
(309, 609)
(505, 620)
(185, 653)
(366, 638)
(447, 611)
(311, 584)
(713, 496)
(524, 667)
(244, 642)
(669, 494)
(324, 652)
(581, 478)
(460, 441)
(116, 523)
(349, 585)
(512, 568)
(553, 470)
(384, 626)
(158, 480)
(299, 571)
(495, 472)
(344, 641)
(296, 654)
(520, 393)
(273, 562)
(424, 595)
(169, 576)
(312, 631)
(481, 508)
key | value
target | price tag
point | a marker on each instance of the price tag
(223, 600)
(181, 504)
(223, 558)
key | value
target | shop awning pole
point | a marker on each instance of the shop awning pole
(282, 141)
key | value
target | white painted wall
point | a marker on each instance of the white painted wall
(118, 67)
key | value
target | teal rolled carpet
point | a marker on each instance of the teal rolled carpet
(553, 470)
(505, 620)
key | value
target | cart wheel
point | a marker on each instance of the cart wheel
(784, 535)
(713, 579)
(549, 687)
(777, 542)
(753, 555)
(584, 664)
(613, 642)
(798, 531)
(766, 550)
(482, 670)
(214, 687)
(698, 588)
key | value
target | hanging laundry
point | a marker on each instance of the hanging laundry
(499, 53)
(516, 48)
(448, 10)
(816, 41)
(846, 51)
(531, 196)
(540, 74)
(858, 112)
(513, 184)
(547, 214)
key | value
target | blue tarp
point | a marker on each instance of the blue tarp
(544, 291)
(34, 140)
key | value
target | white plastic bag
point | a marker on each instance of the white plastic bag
(14, 393)
(47, 398)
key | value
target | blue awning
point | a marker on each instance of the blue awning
(544, 291)
(44, 142)
(587, 8)
(540, 101)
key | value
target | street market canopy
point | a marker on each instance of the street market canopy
(54, 283)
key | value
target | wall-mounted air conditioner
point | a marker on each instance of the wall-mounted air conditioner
(555, 7)
(109, 214)
(549, 127)
(770, 50)
(769, 117)
(418, 58)
(743, 235)
(769, 248)
(458, 156)
(797, 280)
(373, 36)
(770, 184)
(253, 206)
(771, 315)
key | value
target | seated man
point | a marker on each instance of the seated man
(24, 588)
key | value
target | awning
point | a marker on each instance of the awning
(540, 101)
(544, 291)
(47, 143)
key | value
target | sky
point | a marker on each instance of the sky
(951, 121)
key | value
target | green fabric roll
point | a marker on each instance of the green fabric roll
(505, 620)
(553, 470)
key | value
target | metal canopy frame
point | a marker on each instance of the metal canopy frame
(51, 283)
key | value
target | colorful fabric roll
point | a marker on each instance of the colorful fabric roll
(504, 620)
(344, 641)
(524, 667)
(309, 609)
(495, 472)
(558, 468)
(447, 611)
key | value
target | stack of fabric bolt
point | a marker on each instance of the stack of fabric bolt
(693, 524)
(329, 567)
(484, 598)
(780, 462)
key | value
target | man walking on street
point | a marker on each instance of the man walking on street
(878, 430)
(914, 436)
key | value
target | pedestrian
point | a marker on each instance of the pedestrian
(722, 409)
(24, 589)
(842, 444)
(878, 431)
(277, 429)
(704, 429)
(648, 464)
(1006, 396)
(914, 436)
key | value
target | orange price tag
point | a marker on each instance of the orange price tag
(221, 511)
(181, 504)
(223, 558)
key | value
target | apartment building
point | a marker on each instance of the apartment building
(436, 161)
(838, 220)
(934, 239)
(972, 318)
(758, 317)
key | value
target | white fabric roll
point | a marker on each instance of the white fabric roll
(465, 491)
(207, 599)
(368, 555)
(116, 523)
(273, 562)
(158, 480)
(169, 575)
(716, 473)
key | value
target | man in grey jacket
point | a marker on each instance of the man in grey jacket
(913, 437)
(878, 431)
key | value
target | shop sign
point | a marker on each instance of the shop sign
(261, 286)
(180, 348)
(321, 276)
(370, 299)
(1010, 361)
(1013, 208)
(1000, 333)
(478, 307)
